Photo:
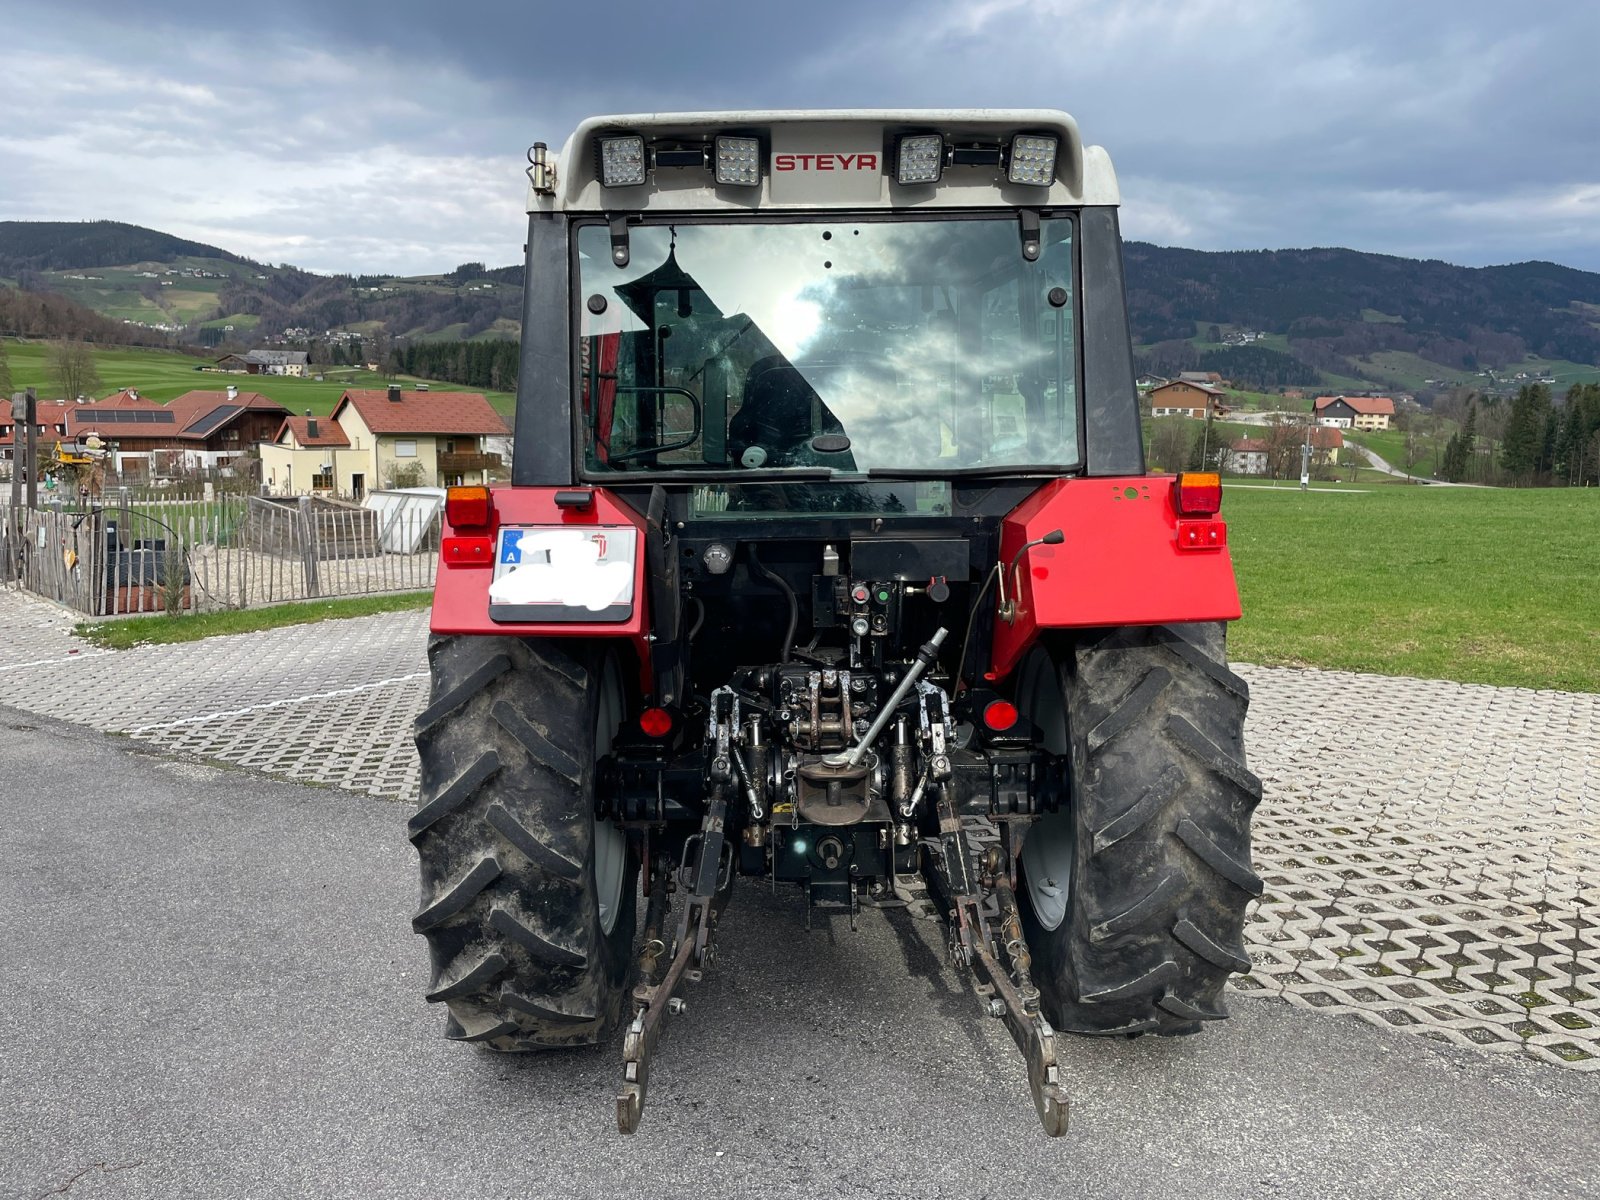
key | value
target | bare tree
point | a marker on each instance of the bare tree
(1284, 438)
(5, 379)
(1169, 443)
(72, 369)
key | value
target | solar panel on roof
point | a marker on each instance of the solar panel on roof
(125, 416)
(214, 420)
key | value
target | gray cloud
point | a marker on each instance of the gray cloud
(361, 135)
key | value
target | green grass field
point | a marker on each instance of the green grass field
(191, 627)
(163, 374)
(1479, 585)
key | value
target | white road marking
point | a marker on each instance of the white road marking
(224, 714)
(45, 662)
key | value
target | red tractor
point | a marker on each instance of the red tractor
(829, 557)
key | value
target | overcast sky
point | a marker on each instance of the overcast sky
(389, 135)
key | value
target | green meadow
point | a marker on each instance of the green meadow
(1480, 585)
(163, 374)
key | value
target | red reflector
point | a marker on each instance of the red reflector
(1202, 535)
(467, 507)
(1198, 494)
(655, 722)
(467, 551)
(1000, 715)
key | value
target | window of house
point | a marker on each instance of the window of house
(405, 449)
(322, 481)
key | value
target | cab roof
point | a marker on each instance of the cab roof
(825, 159)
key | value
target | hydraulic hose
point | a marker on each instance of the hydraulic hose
(794, 603)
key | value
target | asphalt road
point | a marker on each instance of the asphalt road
(211, 989)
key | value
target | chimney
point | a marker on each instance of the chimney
(394, 393)
(311, 425)
(133, 393)
(233, 392)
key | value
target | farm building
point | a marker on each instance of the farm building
(267, 362)
(1182, 398)
(1354, 412)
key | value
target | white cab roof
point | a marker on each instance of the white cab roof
(830, 159)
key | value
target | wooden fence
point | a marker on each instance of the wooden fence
(177, 554)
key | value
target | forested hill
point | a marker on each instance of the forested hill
(77, 245)
(1264, 318)
(1346, 303)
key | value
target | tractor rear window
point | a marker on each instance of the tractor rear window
(925, 346)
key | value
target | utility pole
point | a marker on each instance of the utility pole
(31, 406)
(19, 417)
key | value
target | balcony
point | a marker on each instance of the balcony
(461, 464)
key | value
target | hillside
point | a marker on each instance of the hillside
(85, 245)
(1268, 319)
(1394, 321)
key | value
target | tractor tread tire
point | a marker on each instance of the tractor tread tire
(1161, 804)
(505, 839)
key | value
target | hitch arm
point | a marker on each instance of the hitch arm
(1008, 994)
(705, 879)
(654, 1004)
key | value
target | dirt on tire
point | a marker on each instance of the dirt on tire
(1160, 806)
(505, 836)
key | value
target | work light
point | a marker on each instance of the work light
(622, 161)
(1033, 160)
(921, 158)
(737, 161)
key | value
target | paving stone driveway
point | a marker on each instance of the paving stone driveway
(1430, 849)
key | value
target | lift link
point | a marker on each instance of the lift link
(1010, 995)
(704, 875)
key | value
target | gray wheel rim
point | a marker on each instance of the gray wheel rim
(1051, 845)
(610, 843)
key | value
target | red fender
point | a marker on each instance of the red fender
(1128, 558)
(461, 590)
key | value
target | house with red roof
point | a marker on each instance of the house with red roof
(382, 438)
(1326, 442)
(1184, 398)
(1354, 412)
(197, 431)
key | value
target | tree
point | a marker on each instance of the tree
(1285, 439)
(1169, 443)
(1204, 450)
(71, 367)
(1523, 442)
(1460, 453)
(5, 380)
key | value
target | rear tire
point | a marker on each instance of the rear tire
(528, 951)
(1154, 843)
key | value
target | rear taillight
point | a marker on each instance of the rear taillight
(468, 507)
(655, 722)
(1000, 715)
(1197, 494)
